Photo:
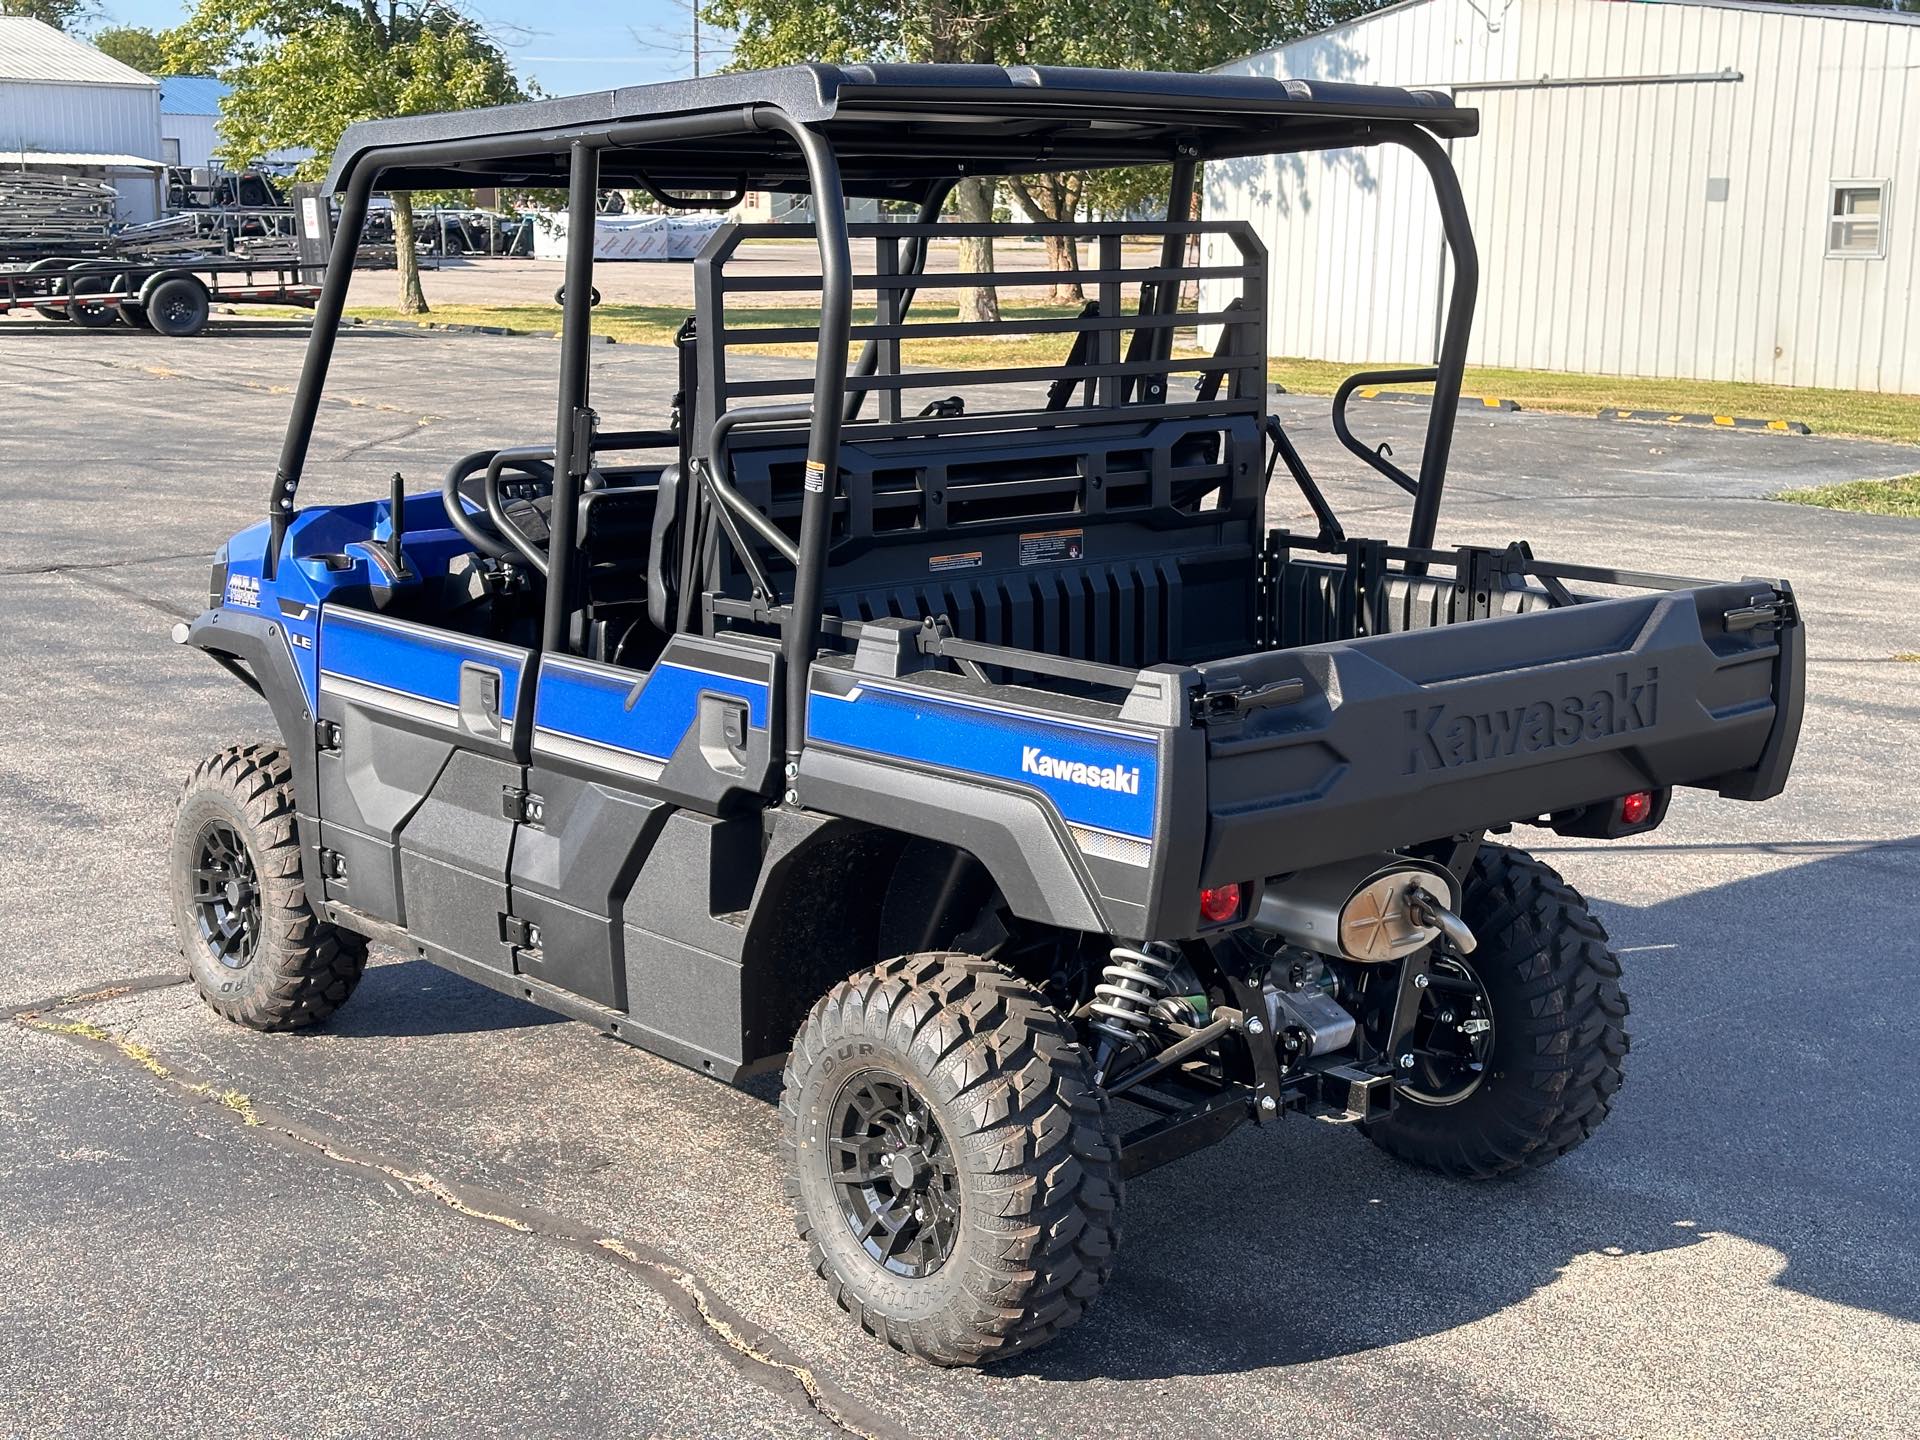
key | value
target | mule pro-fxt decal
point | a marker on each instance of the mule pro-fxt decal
(1099, 778)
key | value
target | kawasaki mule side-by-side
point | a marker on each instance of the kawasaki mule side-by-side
(960, 737)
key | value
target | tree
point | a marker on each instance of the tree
(61, 14)
(301, 71)
(134, 45)
(1126, 34)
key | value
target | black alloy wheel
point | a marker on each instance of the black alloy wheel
(893, 1174)
(226, 896)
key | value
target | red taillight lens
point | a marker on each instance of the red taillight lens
(1220, 903)
(1635, 808)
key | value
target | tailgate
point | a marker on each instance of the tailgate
(1396, 739)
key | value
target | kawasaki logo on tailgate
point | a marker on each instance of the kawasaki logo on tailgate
(1443, 738)
(1122, 778)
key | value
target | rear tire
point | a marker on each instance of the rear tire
(943, 1093)
(1559, 1030)
(256, 950)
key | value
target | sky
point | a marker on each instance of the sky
(567, 46)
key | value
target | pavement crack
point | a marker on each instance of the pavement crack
(79, 565)
(754, 1353)
(733, 1336)
(93, 579)
(94, 995)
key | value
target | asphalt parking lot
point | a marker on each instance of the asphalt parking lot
(452, 1214)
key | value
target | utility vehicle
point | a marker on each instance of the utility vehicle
(961, 738)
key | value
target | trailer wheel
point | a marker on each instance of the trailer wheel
(39, 267)
(1541, 1076)
(95, 316)
(258, 953)
(951, 1163)
(178, 306)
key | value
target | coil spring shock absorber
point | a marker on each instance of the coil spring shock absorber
(1132, 982)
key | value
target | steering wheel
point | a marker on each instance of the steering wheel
(482, 530)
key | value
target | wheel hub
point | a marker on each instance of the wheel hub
(893, 1174)
(1452, 1043)
(226, 896)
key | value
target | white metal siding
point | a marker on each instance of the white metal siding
(1599, 248)
(99, 119)
(197, 134)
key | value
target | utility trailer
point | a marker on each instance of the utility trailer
(172, 295)
(961, 740)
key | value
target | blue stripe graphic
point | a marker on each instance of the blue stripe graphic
(1000, 745)
(422, 663)
(605, 709)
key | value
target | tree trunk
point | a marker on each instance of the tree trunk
(1056, 200)
(406, 259)
(973, 204)
(1063, 255)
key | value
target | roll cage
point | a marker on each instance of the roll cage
(901, 132)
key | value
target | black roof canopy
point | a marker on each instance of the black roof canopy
(896, 128)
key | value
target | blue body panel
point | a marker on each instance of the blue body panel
(642, 714)
(1093, 775)
(306, 581)
(414, 659)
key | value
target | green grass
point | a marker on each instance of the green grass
(1828, 412)
(1863, 497)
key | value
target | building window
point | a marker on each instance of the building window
(170, 150)
(1856, 220)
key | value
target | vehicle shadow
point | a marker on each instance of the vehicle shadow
(1770, 1098)
(413, 997)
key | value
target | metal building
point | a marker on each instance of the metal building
(1709, 189)
(67, 108)
(190, 119)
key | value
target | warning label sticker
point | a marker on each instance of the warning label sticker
(816, 475)
(964, 560)
(1051, 547)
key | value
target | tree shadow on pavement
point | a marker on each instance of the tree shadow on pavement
(1770, 1097)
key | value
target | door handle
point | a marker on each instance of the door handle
(480, 697)
(723, 732)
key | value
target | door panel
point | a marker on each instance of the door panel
(429, 681)
(454, 853)
(696, 729)
(422, 736)
(571, 873)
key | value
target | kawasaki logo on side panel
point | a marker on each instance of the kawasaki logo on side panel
(1442, 738)
(1124, 779)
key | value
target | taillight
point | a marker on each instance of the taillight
(1220, 903)
(1636, 808)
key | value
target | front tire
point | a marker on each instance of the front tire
(951, 1164)
(1551, 988)
(257, 952)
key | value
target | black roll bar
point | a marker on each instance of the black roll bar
(573, 425)
(1450, 365)
(358, 188)
(800, 638)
